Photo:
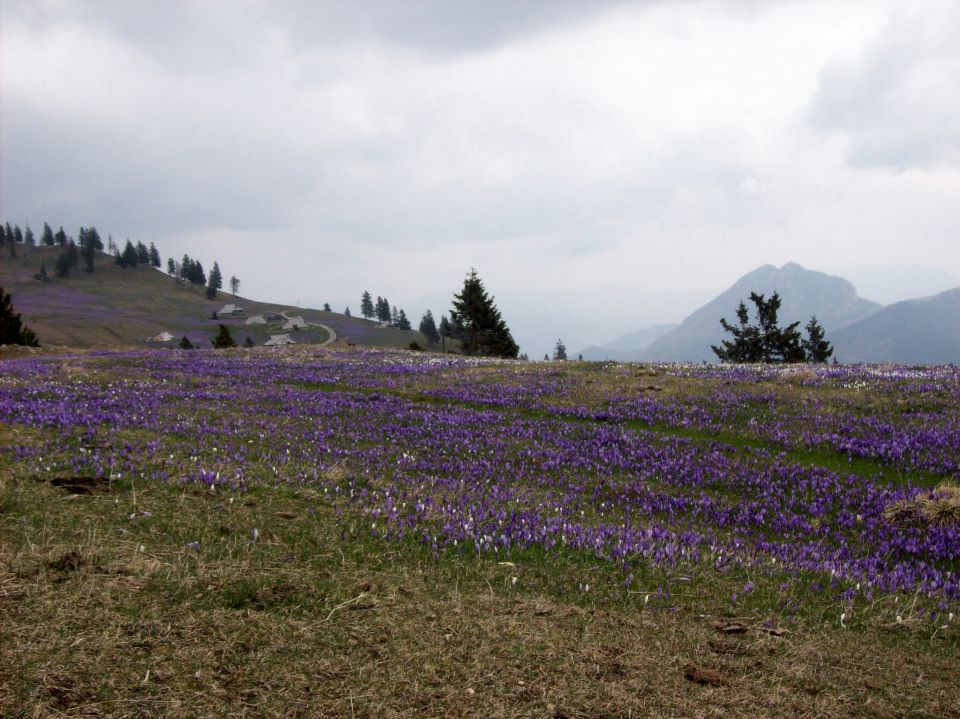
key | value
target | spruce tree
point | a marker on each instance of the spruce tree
(402, 321)
(143, 254)
(129, 256)
(560, 351)
(223, 340)
(12, 329)
(428, 328)
(366, 305)
(61, 237)
(234, 285)
(154, 255)
(816, 347)
(28, 238)
(214, 282)
(186, 344)
(47, 237)
(477, 322)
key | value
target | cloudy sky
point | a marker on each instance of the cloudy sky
(598, 159)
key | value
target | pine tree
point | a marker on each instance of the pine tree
(477, 322)
(171, 267)
(90, 242)
(234, 285)
(346, 312)
(154, 255)
(402, 321)
(223, 340)
(816, 347)
(765, 341)
(215, 282)
(445, 329)
(383, 309)
(61, 237)
(12, 329)
(143, 254)
(560, 351)
(326, 307)
(129, 256)
(428, 328)
(366, 305)
(28, 238)
(186, 344)
(47, 237)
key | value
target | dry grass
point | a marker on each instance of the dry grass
(939, 507)
(105, 611)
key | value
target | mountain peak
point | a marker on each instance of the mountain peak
(803, 292)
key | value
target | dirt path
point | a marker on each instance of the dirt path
(330, 331)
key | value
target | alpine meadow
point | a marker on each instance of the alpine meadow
(548, 359)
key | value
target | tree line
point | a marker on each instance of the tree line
(88, 243)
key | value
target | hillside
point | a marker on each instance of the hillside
(804, 293)
(118, 306)
(920, 331)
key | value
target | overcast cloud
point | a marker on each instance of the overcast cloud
(586, 157)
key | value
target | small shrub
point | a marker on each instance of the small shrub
(415, 346)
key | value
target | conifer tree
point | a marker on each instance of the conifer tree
(234, 285)
(402, 321)
(560, 351)
(816, 347)
(223, 340)
(764, 341)
(366, 305)
(428, 328)
(383, 309)
(47, 237)
(28, 238)
(154, 255)
(477, 322)
(12, 329)
(129, 257)
(215, 282)
(143, 254)
(186, 344)
(61, 237)
(171, 267)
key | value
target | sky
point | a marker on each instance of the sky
(603, 165)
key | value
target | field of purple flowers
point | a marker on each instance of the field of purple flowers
(777, 476)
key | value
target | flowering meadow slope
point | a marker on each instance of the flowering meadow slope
(778, 475)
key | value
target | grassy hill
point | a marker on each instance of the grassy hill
(117, 306)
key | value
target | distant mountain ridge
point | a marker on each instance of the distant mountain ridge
(920, 331)
(804, 293)
(627, 348)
